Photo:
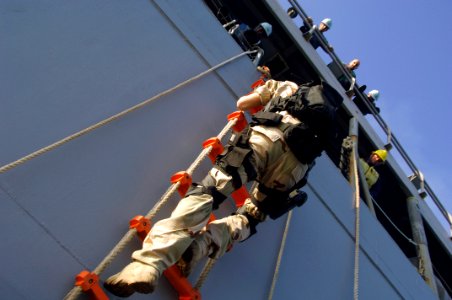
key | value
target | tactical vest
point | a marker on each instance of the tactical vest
(315, 106)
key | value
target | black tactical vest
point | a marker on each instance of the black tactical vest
(315, 106)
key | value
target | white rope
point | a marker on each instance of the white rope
(106, 121)
(108, 259)
(357, 223)
(207, 150)
(75, 292)
(205, 271)
(280, 254)
(227, 128)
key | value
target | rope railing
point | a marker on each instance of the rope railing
(393, 224)
(121, 114)
(321, 39)
(384, 126)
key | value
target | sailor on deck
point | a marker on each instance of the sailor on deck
(376, 158)
(372, 97)
(308, 33)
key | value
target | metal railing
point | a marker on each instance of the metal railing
(390, 136)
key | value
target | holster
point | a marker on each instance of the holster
(278, 203)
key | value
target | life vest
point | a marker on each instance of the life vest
(370, 173)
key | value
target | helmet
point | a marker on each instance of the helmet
(267, 28)
(292, 12)
(328, 22)
(381, 153)
(374, 94)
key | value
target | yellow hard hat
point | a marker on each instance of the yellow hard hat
(381, 154)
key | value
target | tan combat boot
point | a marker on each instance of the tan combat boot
(135, 277)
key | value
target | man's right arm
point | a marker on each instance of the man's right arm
(262, 94)
(249, 101)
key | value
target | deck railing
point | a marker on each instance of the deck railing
(392, 140)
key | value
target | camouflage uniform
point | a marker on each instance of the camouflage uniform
(275, 167)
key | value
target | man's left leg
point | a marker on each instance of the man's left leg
(220, 235)
(163, 246)
(169, 238)
(268, 158)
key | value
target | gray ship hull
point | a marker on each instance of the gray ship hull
(68, 65)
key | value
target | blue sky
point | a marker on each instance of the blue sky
(405, 49)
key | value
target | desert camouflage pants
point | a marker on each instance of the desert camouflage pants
(274, 164)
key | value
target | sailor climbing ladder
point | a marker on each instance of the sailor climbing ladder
(180, 181)
(87, 281)
(139, 223)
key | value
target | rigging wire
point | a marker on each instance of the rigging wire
(393, 224)
(442, 280)
(383, 125)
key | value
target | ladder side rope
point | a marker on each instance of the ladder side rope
(163, 200)
(280, 254)
(210, 263)
(196, 163)
(73, 294)
(207, 150)
(204, 273)
(108, 120)
(131, 233)
(357, 223)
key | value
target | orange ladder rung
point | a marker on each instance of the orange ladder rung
(241, 120)
(181, 284)
(89, 283)
(217, 147)
(185, 182)
(240, 195)
(142, 225)
(172, 274)
(258, 82)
